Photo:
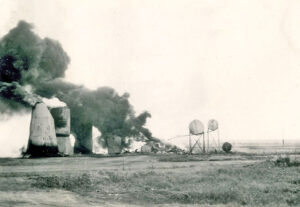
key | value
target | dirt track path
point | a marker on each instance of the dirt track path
(23, 197)
(72, 164)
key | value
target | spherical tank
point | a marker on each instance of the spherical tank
(213, 125)
(196, 127)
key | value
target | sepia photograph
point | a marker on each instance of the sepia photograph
(155, 103)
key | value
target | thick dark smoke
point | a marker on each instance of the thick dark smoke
(26, 60)
(103, 108)
(31, 68)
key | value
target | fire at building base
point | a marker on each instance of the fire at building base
(49, 132)
(61, 117)
(42, 139)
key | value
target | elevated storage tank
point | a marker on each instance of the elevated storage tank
(213, 125)
(196, 127)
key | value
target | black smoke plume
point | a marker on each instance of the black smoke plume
(26, 60)
(31, 68)
(103, 108)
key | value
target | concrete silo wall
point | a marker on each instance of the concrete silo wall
(61, 117)
(84, 141)
(114, 145)
(42, 137)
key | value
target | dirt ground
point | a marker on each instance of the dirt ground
(145, 180)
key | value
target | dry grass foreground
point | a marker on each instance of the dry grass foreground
(225, 180)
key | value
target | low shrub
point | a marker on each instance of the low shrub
(226, 147)
(285, 161)
(68, 183)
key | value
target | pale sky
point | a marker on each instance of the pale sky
(237, 61)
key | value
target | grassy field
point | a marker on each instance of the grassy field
(151, 180)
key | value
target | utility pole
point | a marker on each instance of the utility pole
(282, 137)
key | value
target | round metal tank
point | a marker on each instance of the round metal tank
(213, 125)
(196, 127)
